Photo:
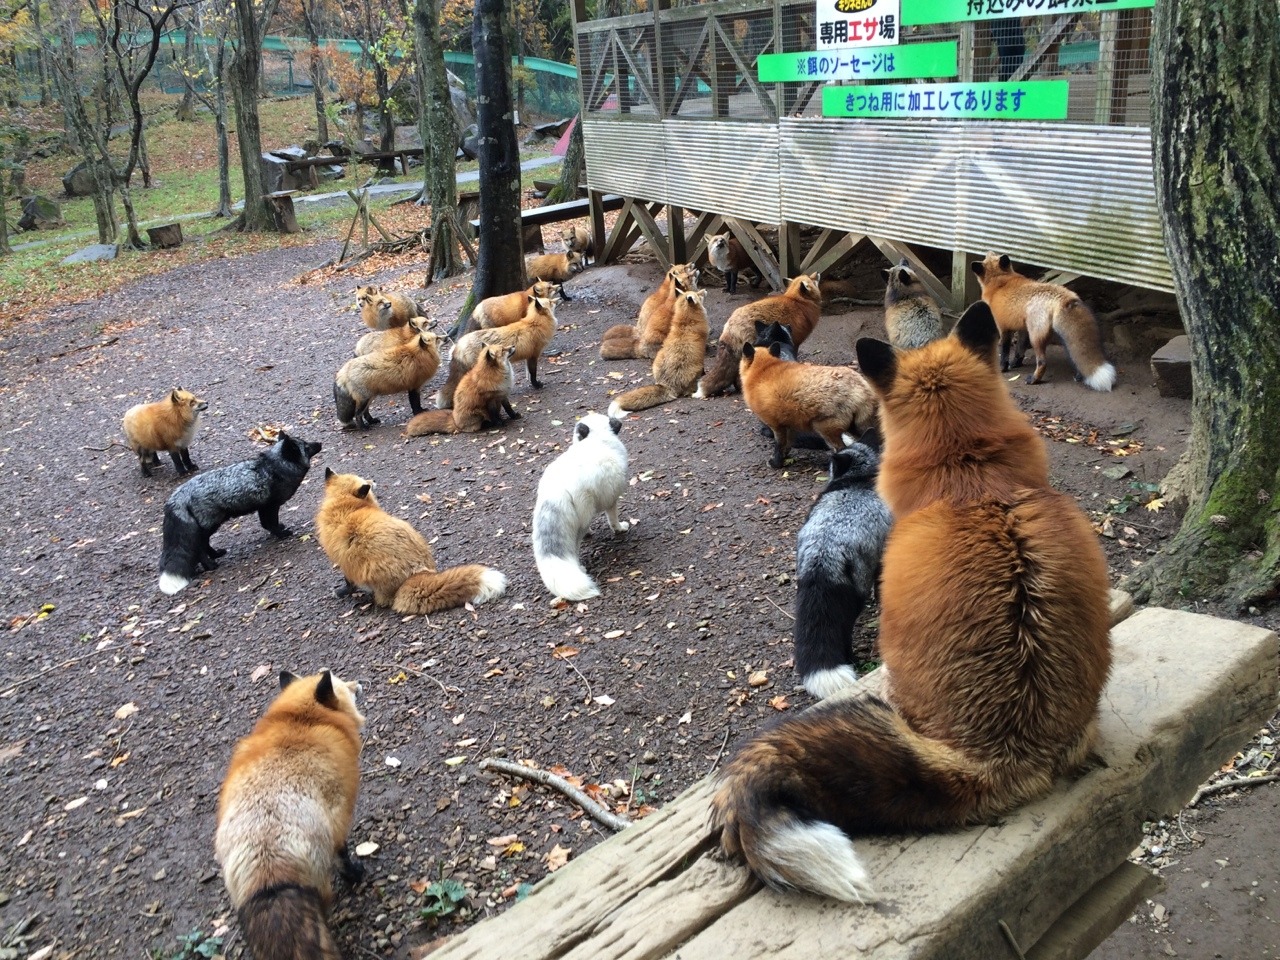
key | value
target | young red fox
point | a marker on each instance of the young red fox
(678, 365)
(530, 336)
(284, 814)
(382, 311)
(383, 372)
(483, 393)
(625, 341)
(508, 308)
(166, 426)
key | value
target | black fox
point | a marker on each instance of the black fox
(838, 553)
(194, 512)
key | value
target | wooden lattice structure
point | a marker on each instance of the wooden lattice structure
(676, 121)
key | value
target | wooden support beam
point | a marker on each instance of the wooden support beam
(707, 226)
(895, 250)
(597, 222)
(964, 284)
(613, 247)
(757, 249)
(1061, 277)
(676, 245)
(644, 215)
(820, 262)
(789, 250)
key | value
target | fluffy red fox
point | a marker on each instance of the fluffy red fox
(529, 335)
(579, 240)
(993, 630)
(791, 396)
(284, 814)
(729, 257)
(555, 268)
(382, 372)
(394, 337)
(384, 556)
(383, 310)
(483, 393)
(678, 365)
(504, 310)
(166, 426)
(1043, 310)
(798, 307)
(626, 341)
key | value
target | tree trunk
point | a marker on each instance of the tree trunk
(245, 78)
(144, 160)
(440, 137)
(85, 135)
(570, 171)
(187, 105)
(42, 55)
(1217, 185)
(317, 69)
(220, 125)
(500, 267)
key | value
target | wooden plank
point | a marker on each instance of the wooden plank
(676, 246)
(964, 284)
(644, 214)
(1094, 917)
(895, 251)
(832, 255)
(579, 898)
(757, 250)
(708, 226)
(621, 227)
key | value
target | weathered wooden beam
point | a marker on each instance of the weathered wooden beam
(676, 245)
(771, 108)
(757, 249)
(895, 251)
(706, 227)
(830, 248)
(964, 284)
(644, 215)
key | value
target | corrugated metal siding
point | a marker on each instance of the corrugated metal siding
(1070, 197)
(729, 168)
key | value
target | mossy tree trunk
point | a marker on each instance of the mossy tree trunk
(315, 65)
(1215, 113)
(245, 74)
(439, 140)
(500, 265)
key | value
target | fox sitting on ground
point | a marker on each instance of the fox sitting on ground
(381, 373)
(625, 341)
(529, 335)
(386, 557)
(483, 393)
(838, 553)
(911, 316)
(993, 630)
(1043, 310)
(586, 479)
(579, 240)
(556, 268)
(507, 309)
(729, 257)
(166, 426)
(194, 512)
(383, 310)
(790, 396)
(284, 815)
(678, 365)
(798, 307)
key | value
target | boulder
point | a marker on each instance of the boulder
(40, 213)
(1171, 366)
(94, 253)
(463, 108)
(79, 181)
(471, 142)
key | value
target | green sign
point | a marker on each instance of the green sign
(907, 62)
(919, 12)
(1028, 100)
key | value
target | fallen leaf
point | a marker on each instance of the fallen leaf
(1156, 504)
(758, 679)
(614, 634)
(556, 858)
(604, 700)
(779, 702)
(76, 803)
(455, 761)
(116, 761)
(259, 672)
(392, 762)
(687, 718)
(512, 849)
(366, 849)
(503, 841)
(564, 651)
(127, 711)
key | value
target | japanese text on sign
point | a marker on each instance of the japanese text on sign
(1029, 100)
(856, 23)
(907, 62)
(920, 12)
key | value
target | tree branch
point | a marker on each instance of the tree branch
(589, 806)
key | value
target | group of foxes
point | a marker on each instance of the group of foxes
(996, 656)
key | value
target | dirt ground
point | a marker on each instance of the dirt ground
(119, 707)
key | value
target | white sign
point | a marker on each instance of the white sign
(857, 23)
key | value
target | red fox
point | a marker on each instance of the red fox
(729, 257)
(394, 337)
(382, 311)
(797, 307)
(579, 240)
(993, 630)
(386, 557)
(678, 365)
(530, 336)
(483, 393)
(384, 372)
(1043, 310)
(556, 268)
(504, 310)
(284, 814)
(791, 396)
(168, 426)
(625, 341)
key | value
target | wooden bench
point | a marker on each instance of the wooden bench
(1049, 882)
(381, 158)
(559, 212)
(309, 164)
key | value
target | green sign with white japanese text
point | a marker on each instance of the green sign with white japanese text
(919, 12)
(1027, 100)
(907, 62)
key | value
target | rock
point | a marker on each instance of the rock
(40, 213)
(290, 153)
(463, 108)
(471, 142)
(79, 181)
(1171, 367)
(407, 136)
(94, 253)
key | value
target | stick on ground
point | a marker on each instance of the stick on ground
(589, 806)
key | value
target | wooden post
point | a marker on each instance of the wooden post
(165, 236)
(675, 234)
(280, 205)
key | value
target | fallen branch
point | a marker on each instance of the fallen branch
(723, 743)
(780, 610)
(446, 688)
(557, 656)
(113, 443)
(589, 806)
(1232, 784)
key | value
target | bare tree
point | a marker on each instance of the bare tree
(213, 30)
(1216, 67)
(245, 73)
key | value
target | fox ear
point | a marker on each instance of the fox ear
(328, 474)
(615, 424)
(816, 278)
(581, 430)
(840, 463)
(877, 362)
(978, 269)
(761, 327)
(748, 350)
(977, 330)
(287, 678)
(363, 490)
(173, 395)
(887, 274)
(775, 349)
(1005, 262)
(871, 438)
(324, 691)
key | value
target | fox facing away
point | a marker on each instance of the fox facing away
(529, 336)
(993, 630)
(508, 308)
(1042, 311)
(166, 426)
(482, 395)
(911, 315)
(644, 338)
(679, 362)
(284, 814)
(405, 367)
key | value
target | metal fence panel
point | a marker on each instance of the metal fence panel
(725, 167)
(625, 157)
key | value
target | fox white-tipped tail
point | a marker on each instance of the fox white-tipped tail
(616, 411)
(171, 583)
(493, 584)
(813, 856)
(1103, 378)
(565, 578)
(698, 394)
(824, 683)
